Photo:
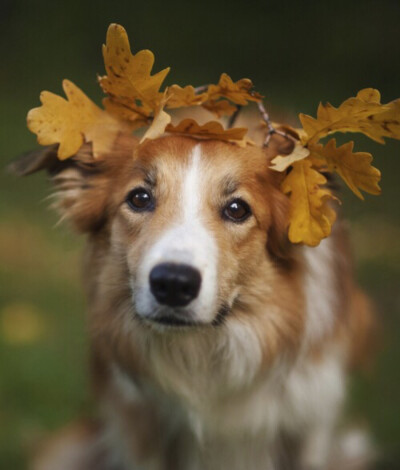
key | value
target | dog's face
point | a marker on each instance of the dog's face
(185, 238)
(192, 225)
(185, 225)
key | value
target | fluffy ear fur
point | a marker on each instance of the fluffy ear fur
(81, 182)
(278, 243)
(36, 160)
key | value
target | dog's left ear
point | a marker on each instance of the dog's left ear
(278, 243)
(81, 183)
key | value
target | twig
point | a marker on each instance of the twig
(271, 128)
(234, 116)
(201, 89)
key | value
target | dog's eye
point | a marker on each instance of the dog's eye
(236, 211)
(139, 199)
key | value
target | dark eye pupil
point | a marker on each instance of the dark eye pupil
(140, 199)
(237, 210)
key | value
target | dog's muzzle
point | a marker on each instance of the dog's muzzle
(174, 285)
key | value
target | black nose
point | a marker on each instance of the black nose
(175, 285)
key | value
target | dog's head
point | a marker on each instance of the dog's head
(183, 234)
(196, 220)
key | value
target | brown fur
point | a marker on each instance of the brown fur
(255, 258)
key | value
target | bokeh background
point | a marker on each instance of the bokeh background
(297, 53)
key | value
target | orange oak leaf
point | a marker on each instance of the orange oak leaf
(364, 114)
(73, 121)
(179, 97)
(354, 167)
(311, 215)
(239, 92)
(126, 110)
(210, 130)
(128, 75)
(219, 107)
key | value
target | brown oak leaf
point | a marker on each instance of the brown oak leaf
(239, 92)
(210, 130)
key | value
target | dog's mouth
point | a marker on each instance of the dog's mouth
(174, 320)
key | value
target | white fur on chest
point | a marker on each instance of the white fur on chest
(245, 425)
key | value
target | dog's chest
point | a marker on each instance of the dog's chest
(210, 430)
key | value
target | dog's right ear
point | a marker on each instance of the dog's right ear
(36, 160)
(82, 183)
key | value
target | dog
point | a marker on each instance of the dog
(215, 343)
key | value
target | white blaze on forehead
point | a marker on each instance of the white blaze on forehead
(192, 188)
(186, 240)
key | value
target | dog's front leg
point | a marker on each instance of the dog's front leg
(140, 423)
(316, 449)
(135, 436)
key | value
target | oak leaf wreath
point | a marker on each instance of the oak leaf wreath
(134, 100)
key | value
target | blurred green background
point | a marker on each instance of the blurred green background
(297, 54)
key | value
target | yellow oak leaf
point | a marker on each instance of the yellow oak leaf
(128, 75)
(72, 122)
(238, 92)
(282, 162)
(388, 121)
(210, 130)
(126, 110)
(220, 107)
(178, 96)
(311, 215)
(363, 113)
(160, 121)
(369, 95)
(354, 168)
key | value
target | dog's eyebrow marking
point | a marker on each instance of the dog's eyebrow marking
(229, 186)
(149, 175)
